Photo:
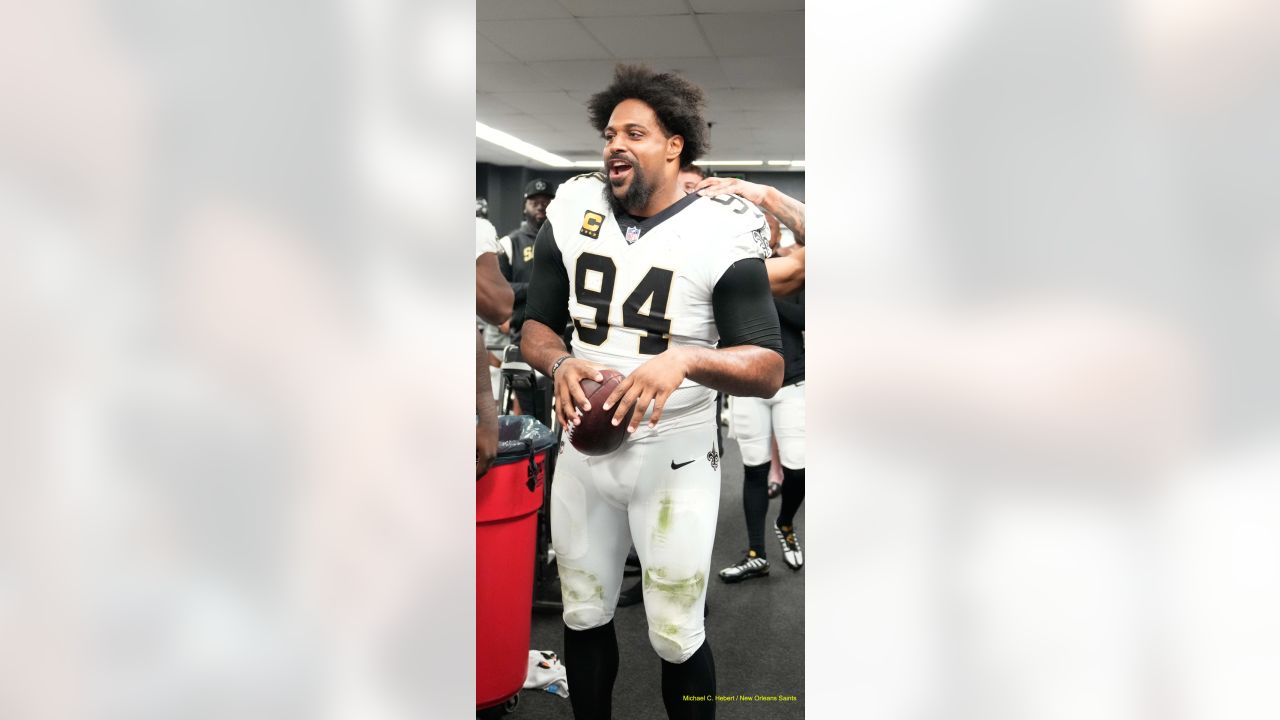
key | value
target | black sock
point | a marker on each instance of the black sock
(792, 494)
(755, 503)
(591, 666)
(695, 677)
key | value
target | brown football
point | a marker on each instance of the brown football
(596, 434)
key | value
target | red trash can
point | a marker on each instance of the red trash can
(507, 500)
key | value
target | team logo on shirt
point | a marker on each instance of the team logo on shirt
(591, 224)
(633, 234)
(762, 242)
(713, 457)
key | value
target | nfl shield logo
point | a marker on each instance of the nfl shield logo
(633, 234)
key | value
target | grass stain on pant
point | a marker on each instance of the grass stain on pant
(683, 592)
(580, 586)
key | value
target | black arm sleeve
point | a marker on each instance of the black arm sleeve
(791, 313)
(521, 289)
(548, 293)
(743, 307)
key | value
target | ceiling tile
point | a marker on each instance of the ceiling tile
(488, 105)
(783, 98)
(519, 9)
(766, 72)
(534, 77)
(534, 40)
(755, 34)
(705, 72)
(488, 52)
(615, 8)
(510, 77)
(722, 99)
(579, 75)
(523, 126)
(792, 121)
(661, 36)
(745, 6)
(574, 121)
(568, 144)
(538, 102)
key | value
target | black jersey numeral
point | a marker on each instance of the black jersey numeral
(656, 326)
(733, 200)
(654, 288)
(598, 299)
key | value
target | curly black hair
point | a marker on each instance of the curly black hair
(677, 102)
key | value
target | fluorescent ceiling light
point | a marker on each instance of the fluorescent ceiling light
(520, 147)
(507, 141)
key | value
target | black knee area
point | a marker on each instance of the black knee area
(792, 494)
(591, 666)
(693, 678)
(755, 503)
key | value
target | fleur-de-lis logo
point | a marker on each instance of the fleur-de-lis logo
(713, 457)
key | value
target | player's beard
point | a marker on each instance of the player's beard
(534, 222)
(635, 198)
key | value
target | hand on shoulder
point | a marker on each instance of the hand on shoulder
(713, 186)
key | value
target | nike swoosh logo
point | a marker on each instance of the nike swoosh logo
(674, 466)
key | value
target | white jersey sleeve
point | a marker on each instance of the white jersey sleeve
(486, 237)
(736, 231)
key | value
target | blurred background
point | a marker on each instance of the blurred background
(225, 406)
(1056, 440)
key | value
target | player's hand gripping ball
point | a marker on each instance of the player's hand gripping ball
(596, 434)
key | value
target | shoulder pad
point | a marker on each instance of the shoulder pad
(738, 213)
(582, 185)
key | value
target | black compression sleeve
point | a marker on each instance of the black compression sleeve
(743, 307)
(548, 293)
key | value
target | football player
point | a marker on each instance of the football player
(786, 273)
(670, 289)
(515, 259)
(690, 176)
(493, 305)
(782, 415)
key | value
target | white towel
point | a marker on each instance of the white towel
(546, 673)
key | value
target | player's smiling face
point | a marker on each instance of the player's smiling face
(637, 153)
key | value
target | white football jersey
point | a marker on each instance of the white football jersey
(635, 292)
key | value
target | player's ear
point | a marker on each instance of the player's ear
(675, 146)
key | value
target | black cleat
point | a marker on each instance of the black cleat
(751, 565)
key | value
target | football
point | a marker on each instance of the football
(596, 434)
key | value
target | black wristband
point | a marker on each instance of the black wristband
(556, 366)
